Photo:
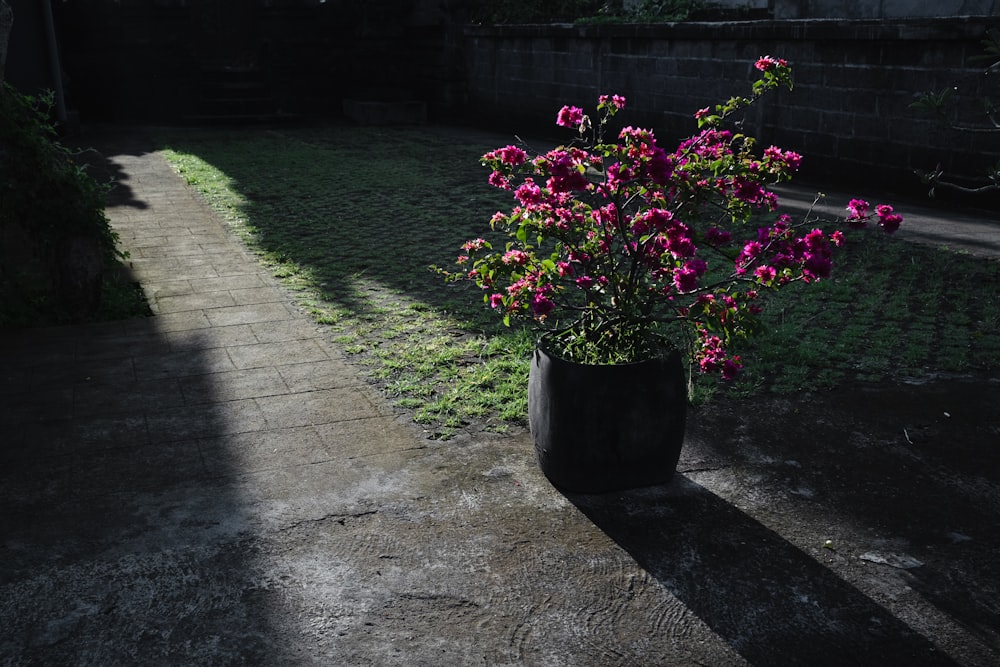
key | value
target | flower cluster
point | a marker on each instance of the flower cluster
(612, 243)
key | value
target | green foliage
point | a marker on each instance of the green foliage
(46, 198)
(41, 183)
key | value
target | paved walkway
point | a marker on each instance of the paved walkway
(215, 485)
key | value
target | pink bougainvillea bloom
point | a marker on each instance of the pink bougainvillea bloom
(498, 180)
(765, 274)
(716, 237)
(617, 101)
(564, 269)
(890, 223)
(585, 282)
(617, 176)
(837, 238)
(748, 190)
(815, 240)
(518, 257)
(636, 136)
(473, 245)
(858, 209)
(569, 116)
(659, 167)
(731, 368)
(512, 155)
(686, 277)
(768, 63)
(746, 257)
(528, 193)
(793, 160)
(652, 219)
(701, 113)
(566, 169)
(541, 305)
(816, 266)
(496, 300)
(888, 220)
(679, 240)
(789, 159)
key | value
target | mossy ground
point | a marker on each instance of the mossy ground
(351, 218)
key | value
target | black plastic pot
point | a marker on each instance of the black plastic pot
(607, 428)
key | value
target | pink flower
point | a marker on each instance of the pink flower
(686, 277)
(496, 300)
(749, 253)
(765, 274)
(659, 167)
(585, 282)
(617, 101)
(716, 237)
(566, 170)
(701, 113)
(474, 244)
(787, 159)
(528, 193)
(679, 241)
(653, 219)
(731, 368)
(569, 116)
(858, 209)
(617, 176)
(518, 257)
(541, 305)
(768, 63)
(511, 155)
(498, 180)
(888, 220)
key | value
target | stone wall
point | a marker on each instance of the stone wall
(849, 113)
(195, 60)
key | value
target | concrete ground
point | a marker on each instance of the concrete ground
(216, 485)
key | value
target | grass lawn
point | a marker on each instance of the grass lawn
(351, 218)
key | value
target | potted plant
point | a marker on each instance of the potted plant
(629, 259)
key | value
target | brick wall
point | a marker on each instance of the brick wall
(849, 113)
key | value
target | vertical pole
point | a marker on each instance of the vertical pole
(6, 23)
(50, 30)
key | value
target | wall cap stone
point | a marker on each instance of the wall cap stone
(956, 28)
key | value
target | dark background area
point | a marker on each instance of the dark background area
(226, 61)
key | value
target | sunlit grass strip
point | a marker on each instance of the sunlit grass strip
(351, 218)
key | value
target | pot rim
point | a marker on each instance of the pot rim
(541, 345)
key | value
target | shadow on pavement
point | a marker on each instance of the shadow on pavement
(771, 602)
(123, 536)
